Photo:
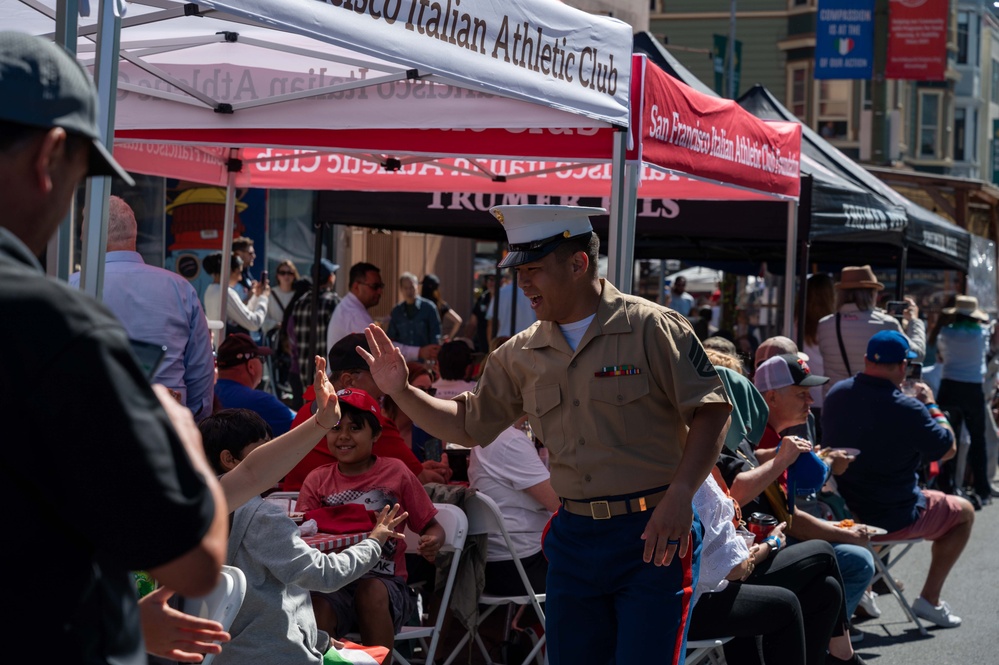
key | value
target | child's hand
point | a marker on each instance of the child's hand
(388, 519)
(430, 545)
(328, 406)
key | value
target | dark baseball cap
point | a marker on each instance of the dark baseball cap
(237, 349)
(43, 86)
(343, 354)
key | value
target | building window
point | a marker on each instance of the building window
(962, 38)
(834, 109)
(929, 124)
(960, 124)
(797, 90)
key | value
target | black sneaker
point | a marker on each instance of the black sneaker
(855, 659)
(856, 635)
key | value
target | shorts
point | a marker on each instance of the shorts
(402, 603)
(941, 514)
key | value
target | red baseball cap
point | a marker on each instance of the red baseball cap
(359, 399)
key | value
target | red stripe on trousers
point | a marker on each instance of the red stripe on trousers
(679, 653)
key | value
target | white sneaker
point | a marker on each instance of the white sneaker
(939, 615)
(868, 606)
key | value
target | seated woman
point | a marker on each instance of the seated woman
(788, 597)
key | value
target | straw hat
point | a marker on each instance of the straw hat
(858, 277)
(967, 305)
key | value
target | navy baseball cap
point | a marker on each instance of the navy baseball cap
(889, 347)
(42, 85)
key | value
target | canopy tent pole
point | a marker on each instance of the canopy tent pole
(99, 188)
(799, 336)
(317, 255)
(790, 264)
(227, 230)
(59, 253)
(618, 269)
(903, 259)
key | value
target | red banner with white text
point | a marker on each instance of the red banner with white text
(683, 130)
(917, 40)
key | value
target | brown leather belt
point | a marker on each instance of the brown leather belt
(604, 510)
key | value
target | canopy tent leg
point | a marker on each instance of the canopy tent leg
(317, 255)
(803, 258)
(227, 230)
(619, 265)
(59, 253)
(903, 260)
(790, 265)
(99, 188)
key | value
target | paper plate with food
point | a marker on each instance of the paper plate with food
(868, 529)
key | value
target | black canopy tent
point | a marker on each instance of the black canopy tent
(925, 233)
(847, 204)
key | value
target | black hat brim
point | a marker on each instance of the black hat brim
(102, 163)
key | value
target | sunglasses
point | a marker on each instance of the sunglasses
(285, 272)
(429, 391)
(374, 287)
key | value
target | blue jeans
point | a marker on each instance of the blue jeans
(856, 567)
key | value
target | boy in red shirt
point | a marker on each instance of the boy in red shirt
(379, 603)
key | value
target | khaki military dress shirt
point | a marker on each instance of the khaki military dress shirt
(615, 413)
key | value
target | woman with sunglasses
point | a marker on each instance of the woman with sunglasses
(281, 295)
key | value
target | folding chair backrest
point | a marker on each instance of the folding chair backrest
(452, 519)
(222, 604)
(485, 517)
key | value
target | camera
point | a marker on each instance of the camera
(914, 372)
(896, 308)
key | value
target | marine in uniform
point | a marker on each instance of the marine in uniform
(632, 412)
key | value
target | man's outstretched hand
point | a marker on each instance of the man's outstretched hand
(386, 362)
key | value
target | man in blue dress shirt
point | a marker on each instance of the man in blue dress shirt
(161, 307)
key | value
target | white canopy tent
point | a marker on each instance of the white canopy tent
(206, 92)
(392, 82)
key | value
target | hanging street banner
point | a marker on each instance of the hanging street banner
(844, 39)
(917, 40)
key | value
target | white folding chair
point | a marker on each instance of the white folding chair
(222, 604)
(484, 517)
(452, 519)
(882, 565)
(699, 651)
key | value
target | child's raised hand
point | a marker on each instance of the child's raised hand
(388, 519)
(328, 406)
(430, 545)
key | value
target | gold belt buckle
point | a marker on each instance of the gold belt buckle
(603, 513)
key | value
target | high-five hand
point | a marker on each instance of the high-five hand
(386, 362)
(328, 406)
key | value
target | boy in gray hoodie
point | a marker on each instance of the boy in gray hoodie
(276, 623)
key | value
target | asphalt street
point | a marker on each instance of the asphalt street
(972, 590)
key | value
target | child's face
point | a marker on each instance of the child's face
(350, 442)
